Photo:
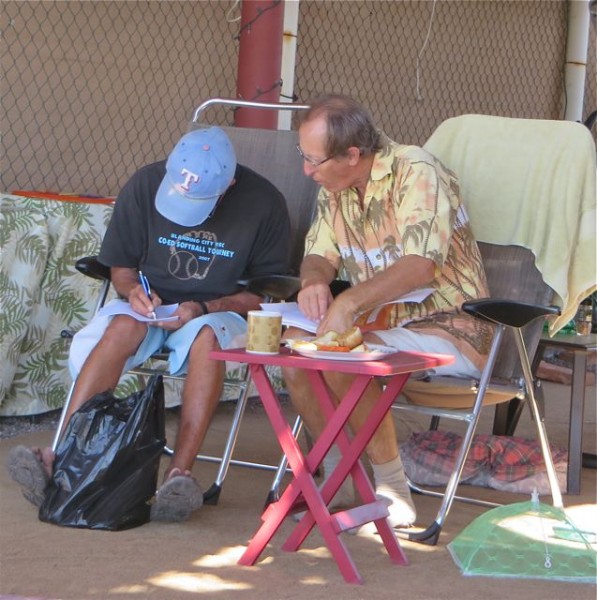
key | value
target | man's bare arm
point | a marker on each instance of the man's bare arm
(126, 282)
(405, 275)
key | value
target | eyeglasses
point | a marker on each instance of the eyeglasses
(312, 162)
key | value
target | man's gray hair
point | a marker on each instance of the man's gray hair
(348, 124)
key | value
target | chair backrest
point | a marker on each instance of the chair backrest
(529, 189)
(273, 154)
(512, 274)
(530, 183)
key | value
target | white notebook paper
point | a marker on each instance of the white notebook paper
(122, 307)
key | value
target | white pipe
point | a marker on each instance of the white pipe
(291, 14)
(577, 47)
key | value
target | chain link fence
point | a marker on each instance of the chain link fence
(93, 90)
(417, 63)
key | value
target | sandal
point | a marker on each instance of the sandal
(26, 468)
(177, 498)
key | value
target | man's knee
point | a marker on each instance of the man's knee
(294, 379)
(124, 332)
(206, 338)
(205, 342)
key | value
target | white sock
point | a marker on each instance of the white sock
(391, 487)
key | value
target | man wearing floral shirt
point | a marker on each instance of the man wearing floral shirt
(389, 221)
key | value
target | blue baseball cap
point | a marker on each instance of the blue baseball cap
(198, 171)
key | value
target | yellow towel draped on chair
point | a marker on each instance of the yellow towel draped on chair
(495, 185)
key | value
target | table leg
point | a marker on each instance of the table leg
(337, 419)
(303, 482)
(276, 512)
(362, 483)
(351, 452)
(575, 428)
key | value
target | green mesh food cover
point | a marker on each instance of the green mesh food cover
(526, 540)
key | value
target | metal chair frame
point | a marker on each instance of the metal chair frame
(520, 300)
(488, 310)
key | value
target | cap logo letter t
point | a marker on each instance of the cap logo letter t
(189, 178)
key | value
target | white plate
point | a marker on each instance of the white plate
(375, 352)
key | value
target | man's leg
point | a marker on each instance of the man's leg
(180, 493)
(390, 481)
(104, 365)
(200, 396)
(32, 467)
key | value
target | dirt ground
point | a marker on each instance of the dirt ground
(198, 558)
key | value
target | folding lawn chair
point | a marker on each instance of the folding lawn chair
(529, 189)
(272, 153)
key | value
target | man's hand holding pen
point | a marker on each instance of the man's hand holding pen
(143, 299)
(147, 289)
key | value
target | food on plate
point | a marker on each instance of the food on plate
(302, 345)
(328, 339)
(351, 338)
(360, 348)
(332, 341)
(332, 348)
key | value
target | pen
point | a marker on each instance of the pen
(147, 289)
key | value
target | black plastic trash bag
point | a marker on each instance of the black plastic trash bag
(106, 465)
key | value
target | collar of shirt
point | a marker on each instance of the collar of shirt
(384, 159)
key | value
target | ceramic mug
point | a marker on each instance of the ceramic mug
(264, 331)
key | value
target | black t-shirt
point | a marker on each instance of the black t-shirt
(247, 235)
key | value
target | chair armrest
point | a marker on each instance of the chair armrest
(90, 266)
(507, 312)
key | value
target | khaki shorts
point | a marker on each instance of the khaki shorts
(404, 339)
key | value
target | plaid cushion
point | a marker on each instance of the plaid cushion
(429, 458)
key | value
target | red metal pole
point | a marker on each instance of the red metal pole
(259, 61)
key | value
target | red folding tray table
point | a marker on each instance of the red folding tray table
(303, 492)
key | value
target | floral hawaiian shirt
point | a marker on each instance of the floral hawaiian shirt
(411, 206)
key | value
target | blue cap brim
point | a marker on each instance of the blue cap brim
(181, 209)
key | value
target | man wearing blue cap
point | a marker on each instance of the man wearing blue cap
(194, 226)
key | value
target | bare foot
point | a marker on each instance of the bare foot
(175, 472)
(46, 457)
